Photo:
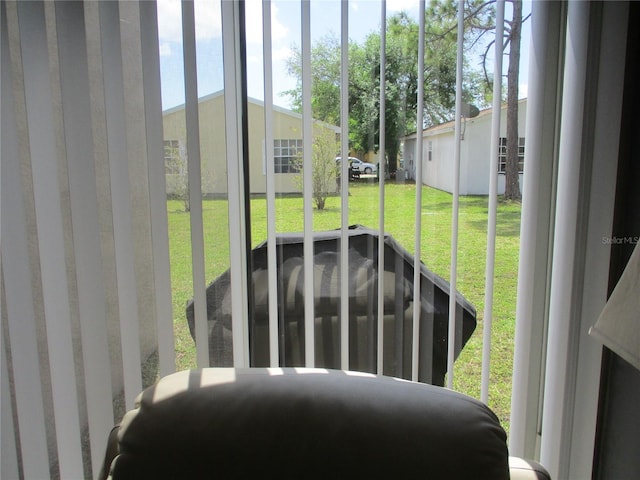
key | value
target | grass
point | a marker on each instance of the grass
(400, 223)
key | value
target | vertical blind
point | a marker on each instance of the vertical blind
(85, 256)
(87, 317)
(85, 259)
(86, 285)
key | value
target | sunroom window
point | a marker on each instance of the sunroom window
(106, 266)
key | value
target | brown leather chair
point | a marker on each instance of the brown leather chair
(306, 423)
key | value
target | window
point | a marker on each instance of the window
(173, 161)
(430, 151)
(286, 155)
(502, 155)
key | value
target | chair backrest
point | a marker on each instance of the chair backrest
(306, 423)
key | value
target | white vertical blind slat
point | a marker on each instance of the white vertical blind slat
(344, 185)
(51, 238)
(493, 204)
(417, 274)
(121, 200)
(536, 229)
(74, 153)
(74, 82)
(561, 313)
(138, 161)
(136, 135)
(93, 26)
(237, 235)
(15, 267)
(307, 151)
(456, 202)
(8, 449)
(22, 336)
(157, 187)
(381, 169)
(271, 195)
(194, 182)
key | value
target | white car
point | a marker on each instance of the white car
(359, 166)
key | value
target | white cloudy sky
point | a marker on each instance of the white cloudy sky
(364, 17)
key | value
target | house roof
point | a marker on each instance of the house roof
(255, 101)
(450, 125)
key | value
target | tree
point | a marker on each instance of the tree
(512, 40)
(324, 168)
(177, 175)
(512, 171)
(401, 87)
(479, 20)
(325, 79)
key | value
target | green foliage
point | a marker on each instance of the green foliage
(177, 174)
(324, 169)
(401, 83)
(325, 79)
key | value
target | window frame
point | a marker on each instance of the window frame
(502, 154)
(173, 163)
(284, 159)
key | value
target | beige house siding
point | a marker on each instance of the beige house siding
(286, 125)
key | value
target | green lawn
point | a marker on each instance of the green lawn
(400, 223)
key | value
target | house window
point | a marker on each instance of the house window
(502, 155)
(286, 155)
(173, 161)
(430, 150)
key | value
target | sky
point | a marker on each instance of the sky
(364, 18)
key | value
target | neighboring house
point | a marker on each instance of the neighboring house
(287, 134)
(438, 153)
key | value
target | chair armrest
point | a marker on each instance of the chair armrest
(521, 469)
(110, 454)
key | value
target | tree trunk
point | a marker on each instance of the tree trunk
(512, 174)
(392, 152)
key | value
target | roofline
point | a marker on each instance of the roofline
(449, 126)
(202, 99)
(255, 101)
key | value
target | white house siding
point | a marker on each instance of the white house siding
(474, 153)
